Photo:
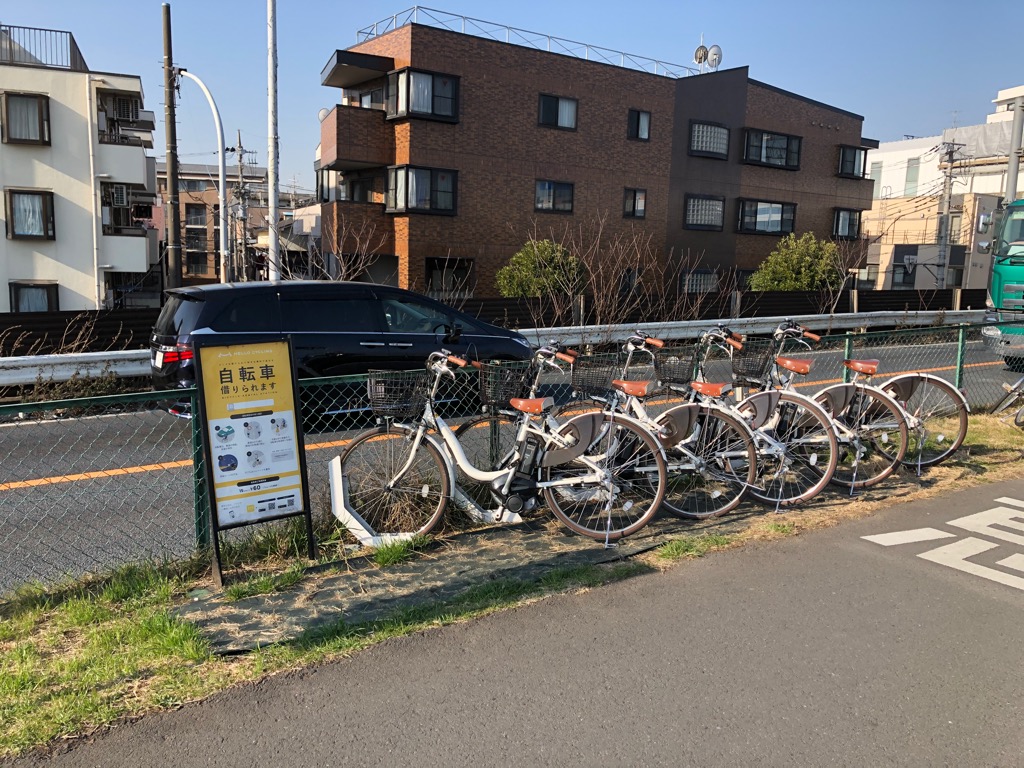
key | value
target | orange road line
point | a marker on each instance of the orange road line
(102, 473)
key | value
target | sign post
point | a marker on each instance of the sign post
(252, 436)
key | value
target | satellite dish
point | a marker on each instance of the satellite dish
(700, 55)
(322, 114)
(714, 56)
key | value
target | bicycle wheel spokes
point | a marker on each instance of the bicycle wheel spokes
(633, 459)
(488, 442)
(937, 420)
(389, 504)
(803, 457)
(711, 470)
(872, 434)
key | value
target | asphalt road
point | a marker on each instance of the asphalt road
(822, 649)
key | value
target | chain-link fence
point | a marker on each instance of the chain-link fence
(95, 483)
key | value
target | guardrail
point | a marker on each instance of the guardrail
(15, 371)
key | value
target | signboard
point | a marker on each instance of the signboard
(252, 435)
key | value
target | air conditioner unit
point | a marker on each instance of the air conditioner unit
(119, 195)
(127, 108)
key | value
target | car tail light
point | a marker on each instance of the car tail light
(177, 354)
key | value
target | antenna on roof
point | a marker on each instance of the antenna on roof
(707, 57)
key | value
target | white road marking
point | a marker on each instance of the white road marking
(1013, 561)
(1008, 500)
(984, 522)
(909, 537)
(955, 556)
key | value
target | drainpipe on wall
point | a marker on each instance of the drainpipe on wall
(94, 185)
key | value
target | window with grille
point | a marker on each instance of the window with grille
(704, 212)
(763, 217)
(777, 149)
(557, 112)
(709, 140)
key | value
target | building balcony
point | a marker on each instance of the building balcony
(122, 162)
(121, 253)
(353, 137)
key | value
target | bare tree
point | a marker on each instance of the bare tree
(359, 247)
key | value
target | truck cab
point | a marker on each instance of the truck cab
(1006, 288)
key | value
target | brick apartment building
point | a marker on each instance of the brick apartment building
(453, 148)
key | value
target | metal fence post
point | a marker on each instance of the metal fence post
(961, 352)
(201, 498)
(847, 354)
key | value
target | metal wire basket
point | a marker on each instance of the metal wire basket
(396, 394)
(593, 376)
(503, 380)
(676, 366)
(750, 364)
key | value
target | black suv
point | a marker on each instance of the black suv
(337, 328)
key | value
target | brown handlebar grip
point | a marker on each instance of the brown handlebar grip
(734, 344)
(476, 363)
(656, 343)
(736, 336)
(565, 357)
(461, 362)
(811, 336)
(572, 353)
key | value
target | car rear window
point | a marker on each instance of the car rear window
(179, 316)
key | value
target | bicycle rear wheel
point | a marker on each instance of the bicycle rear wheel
(488, 442)
(871, 431)
(937, 416)
(1014, 398)
(797, 452)
(389, 504)
(634, 460)
(711, 469)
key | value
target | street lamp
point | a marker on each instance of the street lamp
(222, 195)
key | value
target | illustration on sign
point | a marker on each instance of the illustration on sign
(250, 418)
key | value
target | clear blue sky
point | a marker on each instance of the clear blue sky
(907, 66)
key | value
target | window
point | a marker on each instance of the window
(709, 140)
(851, 161)
(421, 94)
(910, 181)
(371, 99)
(449, 278)
(34, 296)
(26, 118)
(846, 224)
(704, 212)
(635, 206)
(760, 217)
(29, 214)
(777, 149)
(876, 176)
(420, 189)
(956, 223)
(639, 125)
(700, 281)
(557, 112)
(318, 314)
(195, 215)
(192, 185)
(954, 277)
(407, 315)
(553, 196)
(196, 263)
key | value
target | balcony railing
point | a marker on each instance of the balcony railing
(493, 31)
(120, 138)
(40, 48)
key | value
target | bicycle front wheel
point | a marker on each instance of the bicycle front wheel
(710, 470)
(488, 442)
(797, 452)
(388, 499)
(936, 417)
(633, 458)
(871, 430)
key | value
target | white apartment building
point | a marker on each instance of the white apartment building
(78, 185)
(902, 226)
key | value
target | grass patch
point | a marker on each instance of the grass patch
(265, 583)
(399, 551)
(781, 529)
(693, 546)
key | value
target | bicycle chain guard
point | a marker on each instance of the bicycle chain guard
(585, 429)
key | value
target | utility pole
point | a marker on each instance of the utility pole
(242, 195)
(950, 149)
(274, 252)
(170, 128)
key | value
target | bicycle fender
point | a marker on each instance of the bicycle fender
(585, 428)
(677, 424)
(759, 407)
(836, 398)
(903, 387)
